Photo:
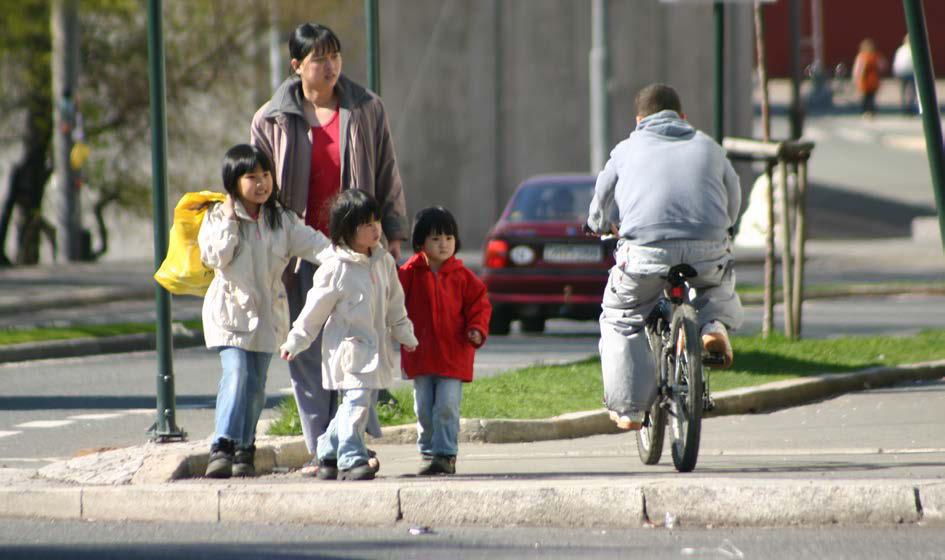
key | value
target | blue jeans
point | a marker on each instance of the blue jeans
(344, 439)
(241, 395)
(436, 401)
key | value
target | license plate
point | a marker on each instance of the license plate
(572, 253)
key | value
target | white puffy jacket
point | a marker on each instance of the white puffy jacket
(245, 305)
(360, 302)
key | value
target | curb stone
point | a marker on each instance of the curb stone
(570, 502)
(183, 338)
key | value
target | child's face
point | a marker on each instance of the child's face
(438, 247)
(366, 236)
(255, 188)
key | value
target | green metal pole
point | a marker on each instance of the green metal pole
(165, 427)
(719, 12)
(928, 103)
(373, 46)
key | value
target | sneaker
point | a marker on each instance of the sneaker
(244, 461)
(630, 422)
(220, 464)
(439, 464)
(327, 469)
(426, 464)
(310, 468)
(715, 341)
(364, 471)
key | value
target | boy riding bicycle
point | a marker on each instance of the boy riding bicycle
(672, 196)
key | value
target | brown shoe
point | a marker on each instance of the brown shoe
(715, 341)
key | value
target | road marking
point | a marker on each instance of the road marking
(5, 434)
(100, 416)
(44, 424)
(911, 143)
(142, 411)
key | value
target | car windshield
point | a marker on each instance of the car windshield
(551, 203)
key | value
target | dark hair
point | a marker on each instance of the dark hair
(655, 98)
(434, 220)
(242, 159)
(312, 37)
(350, 209)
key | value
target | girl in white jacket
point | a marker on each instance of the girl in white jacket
(357, 297)
(248, 241)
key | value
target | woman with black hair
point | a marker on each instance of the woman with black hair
(326, 134)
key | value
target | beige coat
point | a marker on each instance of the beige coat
(246, 304)
(360, 302)
(368, 161)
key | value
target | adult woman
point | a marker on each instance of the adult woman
(325, 134)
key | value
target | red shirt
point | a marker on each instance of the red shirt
(443, 308)
(324, 180)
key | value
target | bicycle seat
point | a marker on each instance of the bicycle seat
(680, 273)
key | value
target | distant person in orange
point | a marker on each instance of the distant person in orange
(867, 67)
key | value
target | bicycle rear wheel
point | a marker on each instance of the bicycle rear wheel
(650, 436)
(685, 377)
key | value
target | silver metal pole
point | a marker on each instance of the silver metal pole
(600, 111)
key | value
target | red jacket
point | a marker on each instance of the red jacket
(443, 308)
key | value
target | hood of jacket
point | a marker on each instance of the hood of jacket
(419, 261)
(345, 254)
(287, 100)
(667, 123)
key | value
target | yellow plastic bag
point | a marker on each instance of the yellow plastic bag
(80, 152)
(182, 271)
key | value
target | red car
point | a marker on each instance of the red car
(538, 263)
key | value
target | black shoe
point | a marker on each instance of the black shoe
(439, 464)
(364, 471)
(220, 464)
(244, 462)
(426, 464)
(327, 469)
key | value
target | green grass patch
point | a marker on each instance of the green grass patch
(19, 336)
(833, 287)
(544, 391)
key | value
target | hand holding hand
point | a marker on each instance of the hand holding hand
(474, 336)
(393, 247)
(286, 355)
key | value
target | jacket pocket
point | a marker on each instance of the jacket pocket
(357, 355)
(234, 309)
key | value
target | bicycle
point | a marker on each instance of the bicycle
(672, 329)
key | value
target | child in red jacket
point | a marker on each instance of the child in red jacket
(450, 312)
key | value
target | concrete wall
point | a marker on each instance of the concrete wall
(482, 94)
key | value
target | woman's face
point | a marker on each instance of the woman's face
(319, 71)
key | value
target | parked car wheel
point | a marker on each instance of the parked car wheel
(533, 324)
(501, 321)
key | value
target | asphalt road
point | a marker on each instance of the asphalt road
(42, 540)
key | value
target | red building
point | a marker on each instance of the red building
(844, 24)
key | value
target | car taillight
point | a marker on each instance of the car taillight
(497, 254)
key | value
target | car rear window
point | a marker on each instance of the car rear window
(551, 203)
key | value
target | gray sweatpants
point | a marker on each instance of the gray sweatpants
(633, 288)
(317, 405)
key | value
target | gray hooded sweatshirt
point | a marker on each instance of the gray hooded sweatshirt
(666, 181)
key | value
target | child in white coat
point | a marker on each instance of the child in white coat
(358, 299)
(247, 240)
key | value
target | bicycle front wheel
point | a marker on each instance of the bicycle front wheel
(685, 373)
(650, 436)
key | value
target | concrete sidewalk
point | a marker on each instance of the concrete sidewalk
(751, 472)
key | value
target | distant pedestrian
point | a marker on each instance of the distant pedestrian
(248, 241)
(450, 311)
(326, 134)
(867, 69)
(358, 300)
(905, 72)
